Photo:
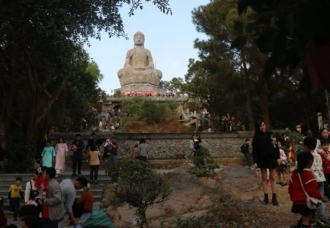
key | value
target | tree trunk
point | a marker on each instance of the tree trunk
(247, 81)
(249, 108)
(212, 125)
(143, 220)
(265, 103)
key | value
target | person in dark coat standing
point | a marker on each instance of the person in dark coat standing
(266, 155)
(77, 155)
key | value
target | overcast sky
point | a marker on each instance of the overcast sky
(170, 38)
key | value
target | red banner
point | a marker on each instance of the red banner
(141, 93)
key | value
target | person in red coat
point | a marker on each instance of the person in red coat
(305, 160)
(38, 183)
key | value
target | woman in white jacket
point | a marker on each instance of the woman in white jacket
(30, 185)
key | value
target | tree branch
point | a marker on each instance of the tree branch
(16, 121)
(53, 99)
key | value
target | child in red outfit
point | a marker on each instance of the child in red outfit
(325, 155)
(298, 197)
(40, 181)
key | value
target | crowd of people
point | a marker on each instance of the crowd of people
(309, 169)
(47, 199)
(310, 176)
(47, 202)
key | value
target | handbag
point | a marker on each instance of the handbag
(312, 203)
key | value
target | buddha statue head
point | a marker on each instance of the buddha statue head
(139, 72)
(139, 39)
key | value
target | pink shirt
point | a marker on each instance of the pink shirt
(32, 202)
(283, 155)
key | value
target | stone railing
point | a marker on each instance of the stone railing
(154, 98)
(167, 145)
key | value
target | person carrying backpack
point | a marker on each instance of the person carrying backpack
(245, 150)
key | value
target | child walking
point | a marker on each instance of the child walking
(94, 163)
(317, 170)
(15, 194)
(308, 183)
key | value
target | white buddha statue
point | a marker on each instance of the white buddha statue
(139, 67)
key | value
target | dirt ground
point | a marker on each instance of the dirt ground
(234, 195)
(253, 214)
(240, 201)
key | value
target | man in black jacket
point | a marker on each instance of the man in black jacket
(77, 156)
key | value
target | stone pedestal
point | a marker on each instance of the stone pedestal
(141, 88)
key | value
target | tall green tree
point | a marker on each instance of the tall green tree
(94, 70)
(293, 34)
(173, 86)
(211, 77)
(220, 21)
(41, 54)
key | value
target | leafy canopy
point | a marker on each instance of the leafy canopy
(290, 33)
(41, 51)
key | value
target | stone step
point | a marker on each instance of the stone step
(67, 174)
(11, 180)
(97, 198)
(93, 188)
(8, 179)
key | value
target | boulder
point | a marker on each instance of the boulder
(192, 197)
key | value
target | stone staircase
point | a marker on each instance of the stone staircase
(8, 179)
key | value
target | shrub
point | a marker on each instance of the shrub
(295, 141)
(172, 104)
(169, 115)
(208, 165)
(139, 186)
(200, 172)
(143, 108)
(152, 112)
(133, 106)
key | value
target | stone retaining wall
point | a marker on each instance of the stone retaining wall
(167, 145)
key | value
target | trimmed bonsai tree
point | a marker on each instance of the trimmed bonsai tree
(136, 184)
